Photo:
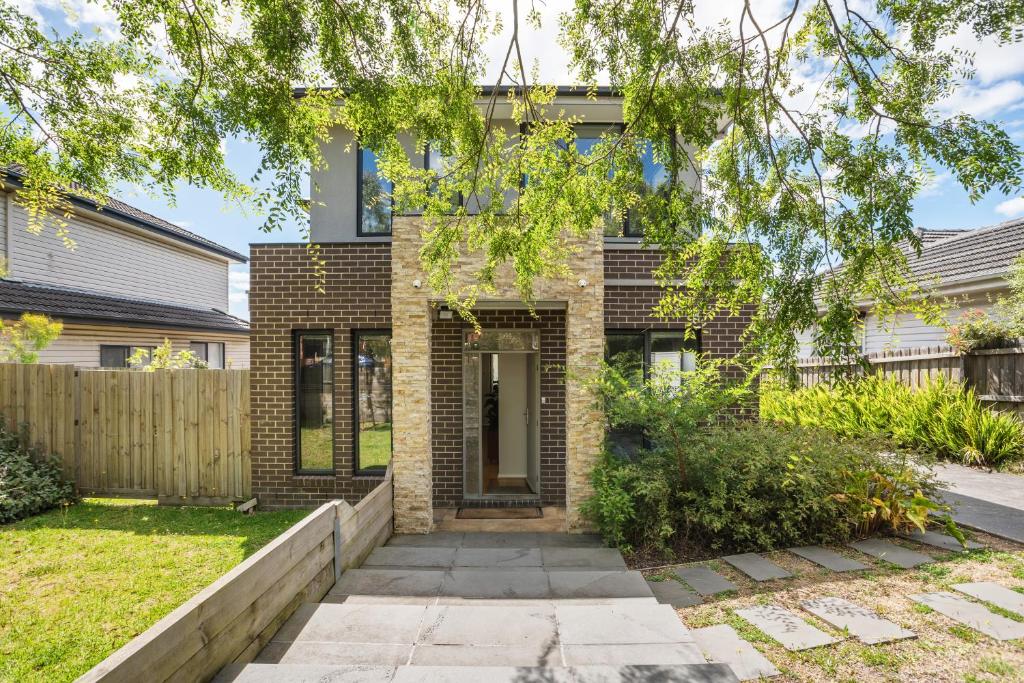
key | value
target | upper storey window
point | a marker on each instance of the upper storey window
(375, 203)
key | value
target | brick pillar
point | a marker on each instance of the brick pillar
(410, 384)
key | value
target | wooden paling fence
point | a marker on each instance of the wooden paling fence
(180, 435)
(997, 375)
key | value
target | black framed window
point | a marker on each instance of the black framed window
(117, 355)
(372, 394)
(314, 402)
(657, 180)
(640, 354)
(376, 206)
(212, 353)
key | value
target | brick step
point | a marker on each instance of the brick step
(309, 673)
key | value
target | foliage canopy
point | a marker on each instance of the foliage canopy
(797, 175)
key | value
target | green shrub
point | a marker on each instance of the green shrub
(710, 480)
(943, 417)
(29, 483)
(751, 487)
(976, 329)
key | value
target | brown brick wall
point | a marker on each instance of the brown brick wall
(630, 307)
(283, 299)
(446, 401)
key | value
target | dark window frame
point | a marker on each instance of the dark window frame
(127, 353)
(359, 199)
(647, 332)
(358, 471)
(296, 415)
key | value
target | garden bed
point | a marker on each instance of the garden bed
(77, 583)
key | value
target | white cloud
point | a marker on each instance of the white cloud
(1011, 208)
(988, 102)
(992, 62)
(932, 185)
(238, 286)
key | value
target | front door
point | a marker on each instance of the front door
(513, 416)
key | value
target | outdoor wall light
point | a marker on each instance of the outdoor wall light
(417, 284)
(582, 283)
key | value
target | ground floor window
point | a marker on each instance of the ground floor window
(117, 355)
(212, 353)
(314, 402)
(372, 414)
(643, 354)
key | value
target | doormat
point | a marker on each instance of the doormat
(499, 513)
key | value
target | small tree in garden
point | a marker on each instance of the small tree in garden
(163, 357)
(22, 340)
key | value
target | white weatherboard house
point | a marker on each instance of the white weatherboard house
(966, 268)
(132, 280)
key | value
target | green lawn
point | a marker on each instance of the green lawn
(77, 584)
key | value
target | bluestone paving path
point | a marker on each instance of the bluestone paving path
(1000, 596)
(486, 607)
(756, 567)
(673, 593)
(891, 553)
(865, 625)
(829, 559)
(972, 614)
(721, 643)
(792, 632)
(990, 501)
(705, 581)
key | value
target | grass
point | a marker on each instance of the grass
(76, 584)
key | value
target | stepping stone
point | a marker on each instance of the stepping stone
(868, 627)
(972, 614)
(828, 559)
(705, 581)
(892, 553)
(944, 541)
(757, 567)
(1000, 596)
(673, 593)
(790, 630)
(722, 644)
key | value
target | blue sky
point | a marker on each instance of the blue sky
(997, 94)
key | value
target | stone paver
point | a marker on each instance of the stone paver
(570, 584)
(480, 655)
(673, 593)
(972, 614)
(865, 625)
(790, 630)
(829, 559)
(662, 654)
(937, 540)
(411, 556)
(756, 567)
(500, 558)
(353, 623)
(439, 539)
(1000, 596)
(477, 674)
(495, 583)
(620, 624)
(389, 582)
(599, 559)
(308, 673)
(892, 553)
(488, 626)
(335, 654)
(722, 644)
(990, 501)
(705, 581)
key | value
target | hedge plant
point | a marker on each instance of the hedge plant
(30, 482)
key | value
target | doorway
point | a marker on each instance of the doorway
(509, 420)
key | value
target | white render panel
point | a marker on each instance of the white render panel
(80, 344)
(110, 260)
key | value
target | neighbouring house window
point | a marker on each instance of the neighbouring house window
(642, 354)
(375, 202)
(117, 355)
(211, 352)
(372, 401)
(314, 402)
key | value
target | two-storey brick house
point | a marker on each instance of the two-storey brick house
(376, 369)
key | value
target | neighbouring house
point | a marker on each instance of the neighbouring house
(966, 269)
(131, 281)
(375, 369)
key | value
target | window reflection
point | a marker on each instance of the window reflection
(315, 402)
(373, 400)
(375, 199)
